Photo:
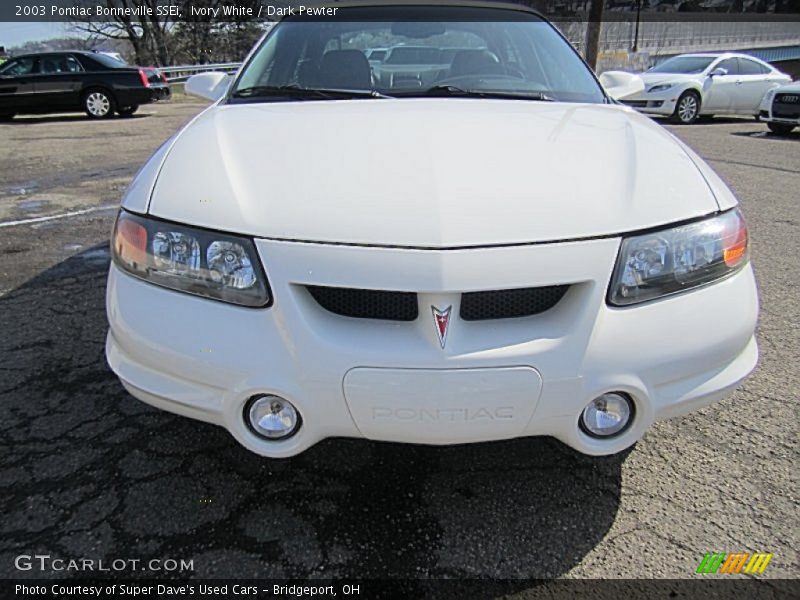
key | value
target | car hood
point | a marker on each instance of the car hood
(789, 88)
(432, 173)
(656, 78)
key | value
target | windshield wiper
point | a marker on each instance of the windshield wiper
(301, 93)
(457, 92)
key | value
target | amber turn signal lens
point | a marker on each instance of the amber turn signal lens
(130, 243)
(736, 251)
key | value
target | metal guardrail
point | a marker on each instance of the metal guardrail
(182, 73)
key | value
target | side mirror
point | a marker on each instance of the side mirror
(718, 71)
(211, 86)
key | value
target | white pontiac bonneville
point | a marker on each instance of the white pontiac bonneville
(478, 250)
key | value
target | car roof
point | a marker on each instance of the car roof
(721, 55)
(35, 54)
(500, 4)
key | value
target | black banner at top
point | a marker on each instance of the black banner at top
(226, 11)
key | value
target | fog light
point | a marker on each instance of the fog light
(272, 417)
(607, 415)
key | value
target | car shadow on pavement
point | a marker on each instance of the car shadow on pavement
(88, 471)
(80, 118)
(793, 136)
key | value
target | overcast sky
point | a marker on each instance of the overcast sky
(14, 34)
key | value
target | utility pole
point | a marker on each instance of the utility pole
(636, 33)
(593, 31)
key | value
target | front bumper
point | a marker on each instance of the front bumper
(662, 103)
(393, 381)
(781, 114)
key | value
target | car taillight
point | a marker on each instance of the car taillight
(143, 76)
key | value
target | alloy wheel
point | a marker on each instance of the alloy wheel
(687, 108)
(98, 104)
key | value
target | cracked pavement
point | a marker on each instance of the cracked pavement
(88, 471)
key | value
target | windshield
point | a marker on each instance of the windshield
(469, 49)
(684, 64)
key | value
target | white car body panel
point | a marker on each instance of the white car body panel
(407, 173)
(734, 94)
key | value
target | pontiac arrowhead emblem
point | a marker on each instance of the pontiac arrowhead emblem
(442, 320)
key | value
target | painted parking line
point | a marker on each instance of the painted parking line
(74, 213)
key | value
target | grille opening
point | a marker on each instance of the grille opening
(509, 304)
(366, 304)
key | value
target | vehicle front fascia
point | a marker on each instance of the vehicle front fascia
(347, 376)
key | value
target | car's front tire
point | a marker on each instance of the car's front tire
(687, 109)
(127, 111)
(780, 128)
(99, 104)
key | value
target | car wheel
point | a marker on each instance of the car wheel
(98, 104)
(6, 116)
(688, 108)
(127, 111)
(780, 128)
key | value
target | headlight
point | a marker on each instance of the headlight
(681, 258)
(215, 265)
(661, 87)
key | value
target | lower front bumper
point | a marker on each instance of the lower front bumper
(389, 381)
(650, 106)
(768, 117)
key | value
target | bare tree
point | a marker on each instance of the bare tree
(198, 39)
(593, 31)
(147, 32)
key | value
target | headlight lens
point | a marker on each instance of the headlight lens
(661, 87)
(673, 260)
(215, 265)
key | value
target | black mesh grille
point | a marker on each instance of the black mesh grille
(366, 304)
(786, 106)
(507, 304)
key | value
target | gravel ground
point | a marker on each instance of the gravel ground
(87, 471)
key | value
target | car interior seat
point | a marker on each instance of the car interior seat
(475, 62)
(345, 69)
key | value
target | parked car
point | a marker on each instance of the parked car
(780, 109)
(688, 86)
(506, 252)
(94, 82)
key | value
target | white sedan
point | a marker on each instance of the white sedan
(688, 86)
(503, 253)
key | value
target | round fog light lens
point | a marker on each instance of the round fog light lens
(272, 417)
(607, 415)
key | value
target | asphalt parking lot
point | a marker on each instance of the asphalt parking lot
(87, 471)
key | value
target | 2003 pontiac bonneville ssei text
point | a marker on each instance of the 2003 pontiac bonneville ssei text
(476, 246)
